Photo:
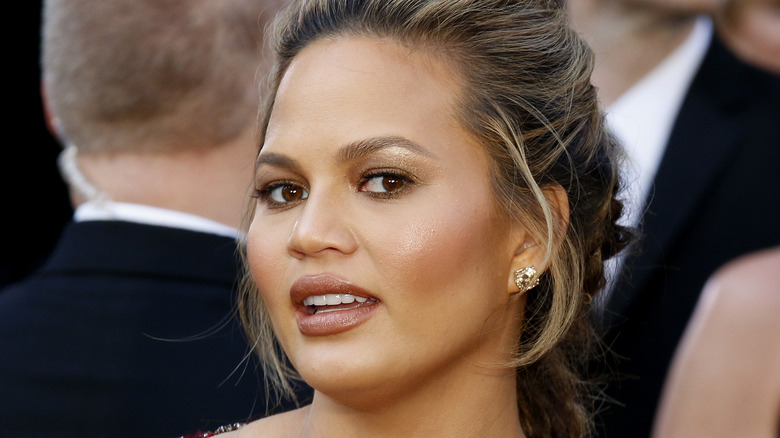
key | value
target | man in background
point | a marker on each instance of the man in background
(699, 126)
(751, 28)
(127, 329)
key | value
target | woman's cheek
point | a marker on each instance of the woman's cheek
(422, 254)
(267, 260)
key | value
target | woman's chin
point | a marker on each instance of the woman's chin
(358, 385)
(362, 397)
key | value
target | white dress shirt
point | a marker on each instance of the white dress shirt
(144, 214)
(642, 119)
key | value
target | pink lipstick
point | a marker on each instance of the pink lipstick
(328, 305)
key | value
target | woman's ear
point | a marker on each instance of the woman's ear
(531, 256)
(527, 263)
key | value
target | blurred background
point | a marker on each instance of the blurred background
(35, 201)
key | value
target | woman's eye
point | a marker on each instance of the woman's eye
(283, 193)
(386, 183)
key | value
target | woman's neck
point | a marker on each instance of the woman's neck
(477, 406)
(444, 415)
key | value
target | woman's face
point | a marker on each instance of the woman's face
(368, 187)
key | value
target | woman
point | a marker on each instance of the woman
(435, 198)
(724, 380)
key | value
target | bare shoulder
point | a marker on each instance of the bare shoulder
(739, 305)
(276, 426)
(760, 264)
(724, 380)
(749, 285)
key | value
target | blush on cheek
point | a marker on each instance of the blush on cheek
(254, 252)
(435, 250)
(267, 261)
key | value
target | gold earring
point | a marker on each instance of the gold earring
(526, 278)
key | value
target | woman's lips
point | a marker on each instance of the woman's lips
(327, 305)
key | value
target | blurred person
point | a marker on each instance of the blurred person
(725, 375)
(127, 329)
(751, 28)
(699, 127)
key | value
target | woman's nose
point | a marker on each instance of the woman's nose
(322, 228)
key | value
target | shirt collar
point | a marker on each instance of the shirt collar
(642, 118)
(144, 214)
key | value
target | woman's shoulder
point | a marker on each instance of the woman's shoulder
(276, 426)
(219, 431)
(745, 288)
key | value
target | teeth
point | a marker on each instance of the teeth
(332, 300)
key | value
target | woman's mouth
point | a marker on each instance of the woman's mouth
(327, 304)
(335, 302)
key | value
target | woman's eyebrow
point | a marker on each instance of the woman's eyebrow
(363, 148)
(277, 160)
(349, 152)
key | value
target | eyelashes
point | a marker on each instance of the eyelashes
(281, 193)
(378, 183)
(385, 183)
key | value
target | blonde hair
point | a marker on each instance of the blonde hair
(527, 97)
(136, 74)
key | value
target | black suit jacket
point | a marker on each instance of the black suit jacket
(126, 331)
(716, 196)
